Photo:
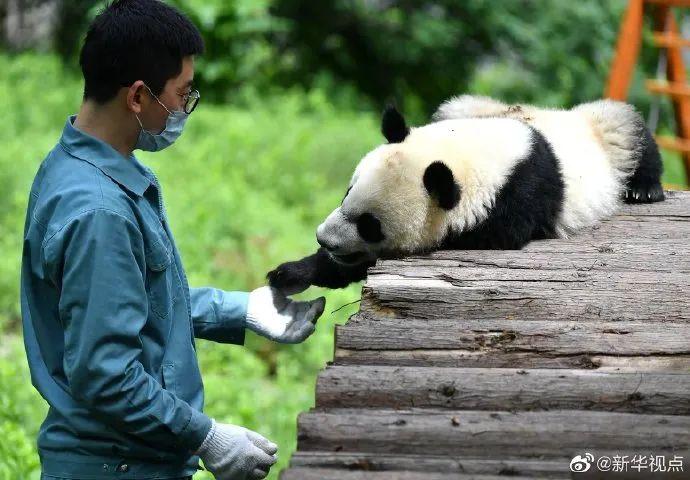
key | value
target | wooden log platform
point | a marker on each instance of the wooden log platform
(507, 364)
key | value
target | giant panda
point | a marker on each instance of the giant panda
(481, 175)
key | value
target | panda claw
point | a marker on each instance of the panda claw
(644, 194)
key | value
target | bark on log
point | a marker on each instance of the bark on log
(502, 389)
(498, 434)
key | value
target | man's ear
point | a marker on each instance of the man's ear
(134, 97)
(393, 125)
(442, 187)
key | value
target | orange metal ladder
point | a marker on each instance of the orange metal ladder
(666, 35)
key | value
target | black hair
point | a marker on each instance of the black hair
(134, 40)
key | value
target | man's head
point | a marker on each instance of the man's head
(135, 44)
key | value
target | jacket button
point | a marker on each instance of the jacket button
(124, 467)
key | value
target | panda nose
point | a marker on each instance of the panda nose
(325, 244)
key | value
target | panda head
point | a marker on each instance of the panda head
(397, 201)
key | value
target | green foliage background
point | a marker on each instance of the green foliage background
(291, 93)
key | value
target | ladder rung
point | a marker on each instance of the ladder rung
(673, 89)
(673, 143)
(669, 40)
(670, 3)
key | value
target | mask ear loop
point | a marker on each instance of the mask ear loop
(161, 103)
(137, 117)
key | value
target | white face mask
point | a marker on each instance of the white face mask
(154, 142)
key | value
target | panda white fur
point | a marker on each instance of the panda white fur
(482, 175)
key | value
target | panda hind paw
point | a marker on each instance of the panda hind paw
(643, 194)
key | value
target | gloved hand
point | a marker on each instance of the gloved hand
(274, 316)
(231, 452)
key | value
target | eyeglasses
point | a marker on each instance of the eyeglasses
(191, 100)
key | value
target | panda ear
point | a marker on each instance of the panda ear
(393, 125)
(439, 182)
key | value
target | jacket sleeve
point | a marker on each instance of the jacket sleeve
(98, 262)
(219, 315)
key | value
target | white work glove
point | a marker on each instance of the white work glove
(274, 316)
(231, 452)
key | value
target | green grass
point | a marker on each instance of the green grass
(245, 188)
(674, 171)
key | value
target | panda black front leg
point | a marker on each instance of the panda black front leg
(318, 269)
(293, 277)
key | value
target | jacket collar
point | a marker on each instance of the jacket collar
(127, 171)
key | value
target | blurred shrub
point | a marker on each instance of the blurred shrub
(38, 97)
(239, 51)
(363, 52)
(21, 412)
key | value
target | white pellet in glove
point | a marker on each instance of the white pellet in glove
(231, 452)
(281, 319)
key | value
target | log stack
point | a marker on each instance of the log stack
(509, 364)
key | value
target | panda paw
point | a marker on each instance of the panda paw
(643, 194)
(290, 278)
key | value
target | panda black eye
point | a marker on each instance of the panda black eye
(369, 228)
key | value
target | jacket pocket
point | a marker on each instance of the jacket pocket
(183, 378)
(160, 284)
(169, 377)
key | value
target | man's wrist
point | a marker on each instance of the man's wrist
(193, 435)
(233, 316)
(234, 307)
(252, 315)
(203, 447)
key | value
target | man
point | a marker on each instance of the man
(109, 319)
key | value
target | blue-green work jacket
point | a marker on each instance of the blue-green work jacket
(109, 320)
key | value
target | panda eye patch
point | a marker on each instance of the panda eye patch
(369, 228)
